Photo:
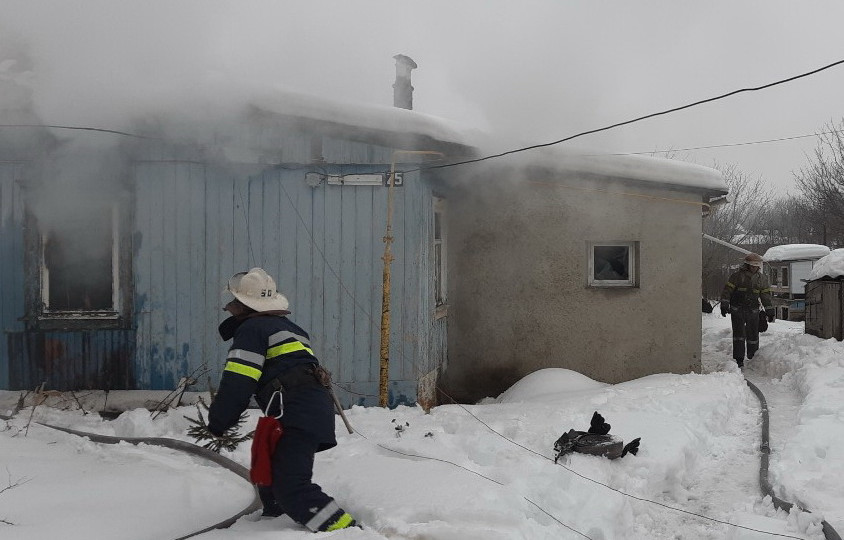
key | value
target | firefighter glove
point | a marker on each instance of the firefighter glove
(725, 308)
(770, 314)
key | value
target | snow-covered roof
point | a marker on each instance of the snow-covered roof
(793, 252)
(831, 265)
(396, 120)
(390, 124)
(628, 167)
(362, 115)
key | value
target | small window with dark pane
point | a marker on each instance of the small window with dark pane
(613, 264)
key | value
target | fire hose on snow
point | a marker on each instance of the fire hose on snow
(829, 532)
(765, 449)
(183, 446)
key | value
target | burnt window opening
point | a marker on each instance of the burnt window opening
(79, 272)
(613, 264)
(79, 264)
(785, 276)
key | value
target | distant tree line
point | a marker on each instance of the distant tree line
(755, 220)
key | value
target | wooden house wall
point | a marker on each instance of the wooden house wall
(197, 224)
(11, 261)
(64, 360)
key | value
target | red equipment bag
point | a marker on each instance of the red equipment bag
(267, 433)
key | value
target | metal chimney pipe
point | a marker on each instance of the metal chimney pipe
(402, 89)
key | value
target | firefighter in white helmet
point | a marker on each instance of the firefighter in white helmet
(741, 296)
(271, 357)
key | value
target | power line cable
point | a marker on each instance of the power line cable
(322, 254)
(78, 128)
(722, 145)
(626, 122)
(543, 456)
(493, 480)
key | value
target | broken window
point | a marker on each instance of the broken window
(785, 276)
(79, 262)
(613, 264)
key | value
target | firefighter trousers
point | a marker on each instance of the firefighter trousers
(293, 489)
(745, 331)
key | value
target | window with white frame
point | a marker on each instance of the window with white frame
(774, 276)
(439, 252)
(613, 264)
(79, 263)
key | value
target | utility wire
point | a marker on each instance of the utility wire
(322, 254)
(543, 456)
(494, 481)
(246, 219)
(626, 122)
(565, 139)
(722, 145)
(79, 128)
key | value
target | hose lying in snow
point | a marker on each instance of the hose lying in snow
(256, 504)
(182, 446)
(765, 448)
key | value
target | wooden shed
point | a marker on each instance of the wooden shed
(825, 308)
(788, 266)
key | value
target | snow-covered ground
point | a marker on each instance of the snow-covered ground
(481, 472)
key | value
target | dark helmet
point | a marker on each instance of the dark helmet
(752, 259)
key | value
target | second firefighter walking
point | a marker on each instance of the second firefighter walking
(741, 298)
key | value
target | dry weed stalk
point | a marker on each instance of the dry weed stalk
(12, 485)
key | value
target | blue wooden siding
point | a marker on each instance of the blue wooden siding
(65, 360)
(176, 308)
(323, 245)
(195, 223)
(71, 360)
(11, 261)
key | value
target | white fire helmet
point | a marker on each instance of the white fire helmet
(256, 289)
(752, 259)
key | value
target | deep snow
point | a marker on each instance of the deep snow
(492, 474)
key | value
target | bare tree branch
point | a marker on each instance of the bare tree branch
(821, 183)
(741, 221)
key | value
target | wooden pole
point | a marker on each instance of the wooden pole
(384, 364)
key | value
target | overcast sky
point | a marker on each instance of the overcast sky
(533, 71)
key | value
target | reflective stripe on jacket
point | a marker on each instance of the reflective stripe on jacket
(746, 288)
(265, 348)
